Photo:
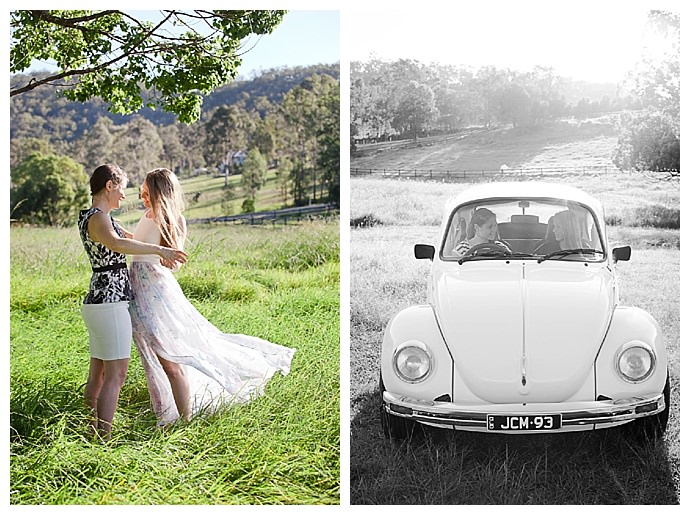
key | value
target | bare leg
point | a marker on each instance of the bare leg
(115, 374)
(93, 390)
(179, 385)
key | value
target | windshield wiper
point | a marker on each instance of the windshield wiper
(494, 254)
(566, 252)
(487, 255)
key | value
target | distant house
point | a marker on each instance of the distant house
(239, 157)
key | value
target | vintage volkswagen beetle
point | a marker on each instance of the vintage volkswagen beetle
(523, 340)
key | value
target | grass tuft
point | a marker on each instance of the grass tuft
(660, 217)
(365, 221)
(217, 287)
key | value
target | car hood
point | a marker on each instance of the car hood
(522, 331)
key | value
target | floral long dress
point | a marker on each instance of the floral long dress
(221, 368)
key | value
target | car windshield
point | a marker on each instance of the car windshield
(541, 229)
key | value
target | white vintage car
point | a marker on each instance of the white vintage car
(523, 334)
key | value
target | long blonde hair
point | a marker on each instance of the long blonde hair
(167, 205)
(572, 235)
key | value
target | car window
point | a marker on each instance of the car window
(526, 228)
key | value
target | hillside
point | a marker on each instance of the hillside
(43, 111)
(565, 143)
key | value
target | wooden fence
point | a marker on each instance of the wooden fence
(476, 174)
(275, 216)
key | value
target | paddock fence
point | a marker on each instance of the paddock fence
(278, 216)
(508, 173)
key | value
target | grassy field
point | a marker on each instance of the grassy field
(463, 468)
(204, 196)
(563, 144)
(279, 283)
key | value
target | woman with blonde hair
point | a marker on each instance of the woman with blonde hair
(190, 365)
(563, 232)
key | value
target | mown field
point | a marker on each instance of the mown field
(279, 283)
(204, 196)
(450, 467)
(564, 144)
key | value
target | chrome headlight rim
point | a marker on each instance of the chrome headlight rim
(417, 345)
(631, 345)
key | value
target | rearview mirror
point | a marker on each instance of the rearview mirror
(621, 253)
(422, 251)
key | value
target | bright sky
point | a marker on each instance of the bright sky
(303, 38)
(585, 39)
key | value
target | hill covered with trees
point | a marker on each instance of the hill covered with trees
(44, 113)
(407, 98)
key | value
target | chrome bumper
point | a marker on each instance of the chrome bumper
(451, 415)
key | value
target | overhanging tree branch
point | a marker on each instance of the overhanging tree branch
(115, 56)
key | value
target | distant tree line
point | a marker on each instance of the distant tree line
(286, 120)
(650, 140)
(405, 99)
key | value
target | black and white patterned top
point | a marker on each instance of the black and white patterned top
(110, 279)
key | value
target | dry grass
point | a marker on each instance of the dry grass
(421, 203)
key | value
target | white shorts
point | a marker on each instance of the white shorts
(110, 330)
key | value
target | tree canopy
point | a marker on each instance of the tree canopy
(650, 140)
(48, 189)
(169, 64)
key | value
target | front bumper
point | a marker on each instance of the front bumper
(574, 416)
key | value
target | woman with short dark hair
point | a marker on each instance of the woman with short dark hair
(481, 229)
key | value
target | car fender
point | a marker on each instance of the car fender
(417, 323)
(630, 324)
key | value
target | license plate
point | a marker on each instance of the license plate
(523, 422)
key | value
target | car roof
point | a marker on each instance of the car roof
(498, 190)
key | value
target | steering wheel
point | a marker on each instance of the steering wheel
(486, 246)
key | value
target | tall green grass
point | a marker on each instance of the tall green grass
(281, 284)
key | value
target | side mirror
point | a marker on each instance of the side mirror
(621, 253)
(424, 251)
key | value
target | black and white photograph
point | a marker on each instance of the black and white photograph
(515, 254)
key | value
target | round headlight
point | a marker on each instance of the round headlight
(635, 362)
(412, 362)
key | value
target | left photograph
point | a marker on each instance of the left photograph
(174, 257)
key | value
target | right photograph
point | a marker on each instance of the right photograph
(515, 256)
